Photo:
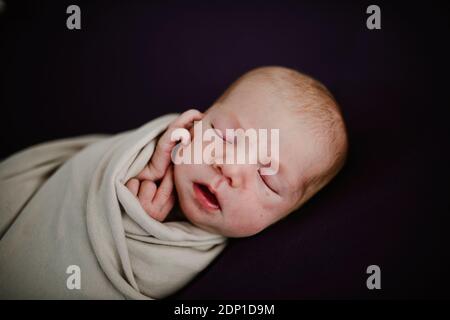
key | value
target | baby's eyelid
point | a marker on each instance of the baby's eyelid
(263, 178)
(219, 133)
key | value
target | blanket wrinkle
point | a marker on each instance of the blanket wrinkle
(65, 203)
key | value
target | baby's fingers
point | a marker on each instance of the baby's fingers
(146, 194)
(186, 119)
(133, 186)
(161, 214)
(162, 156)
(164, 194)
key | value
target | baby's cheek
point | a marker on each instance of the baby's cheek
(249, 229)
(247, 222)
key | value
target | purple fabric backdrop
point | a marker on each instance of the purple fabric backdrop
(133, 61)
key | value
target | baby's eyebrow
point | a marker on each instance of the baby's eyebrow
(233, 120)
(226, 122)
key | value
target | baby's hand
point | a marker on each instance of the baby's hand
(161, 159)
(157, 201)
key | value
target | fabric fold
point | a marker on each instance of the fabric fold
(65, 203)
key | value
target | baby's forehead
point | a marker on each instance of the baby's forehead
(260, 112)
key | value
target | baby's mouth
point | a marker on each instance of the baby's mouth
(205, 197)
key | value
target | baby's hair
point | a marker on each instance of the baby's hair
(311, 100)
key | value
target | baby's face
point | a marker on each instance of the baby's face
(235, 200)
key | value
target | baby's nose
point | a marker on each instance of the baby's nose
(234, 173)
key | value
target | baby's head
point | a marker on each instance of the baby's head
(235, 200)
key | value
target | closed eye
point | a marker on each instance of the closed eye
(265, 179)
(219, 133)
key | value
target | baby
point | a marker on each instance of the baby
(235, 199)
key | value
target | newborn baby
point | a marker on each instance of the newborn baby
(234, 199)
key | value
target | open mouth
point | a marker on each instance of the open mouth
(206, 198)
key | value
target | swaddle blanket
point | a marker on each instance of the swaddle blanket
(64, 206)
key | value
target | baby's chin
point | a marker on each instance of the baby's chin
(199, 219)
(204, 220)
(194, 216)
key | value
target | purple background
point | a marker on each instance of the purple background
(133, 61)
